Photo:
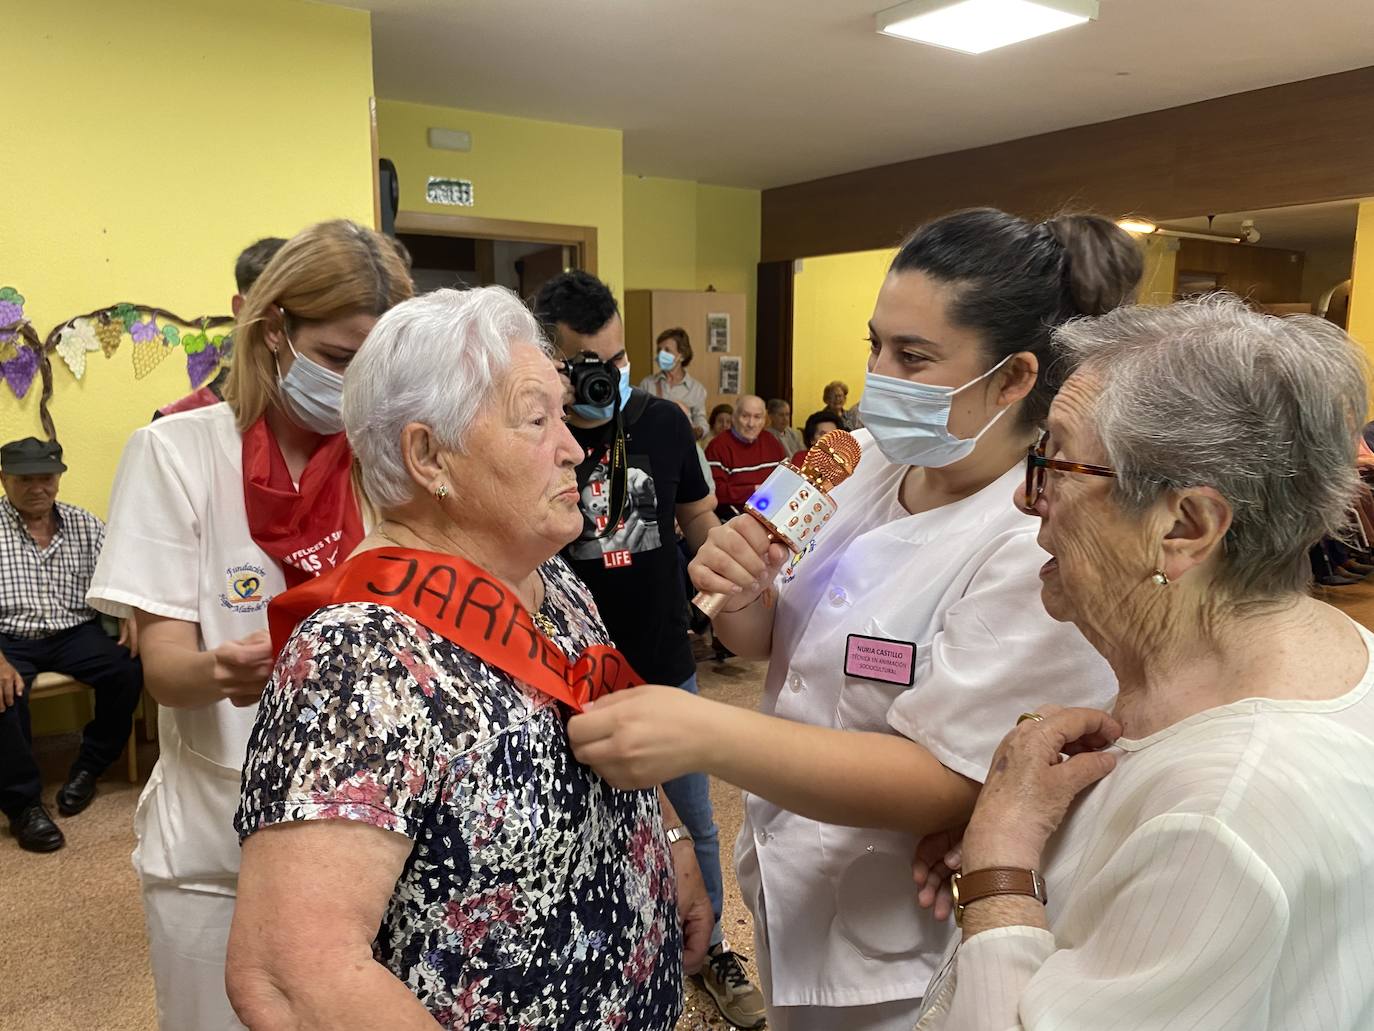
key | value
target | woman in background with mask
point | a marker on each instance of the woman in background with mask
(213, 512)
(672, 381)
(914, 620)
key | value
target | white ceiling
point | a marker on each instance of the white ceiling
(1302, 227)
(767, 92)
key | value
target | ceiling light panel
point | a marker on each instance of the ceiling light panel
(977, 26)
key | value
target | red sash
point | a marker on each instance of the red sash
(310, 530)
(468, 606)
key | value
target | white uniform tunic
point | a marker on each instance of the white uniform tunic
(961, 585)
(178, 545)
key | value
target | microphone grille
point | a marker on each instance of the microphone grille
(832, 459)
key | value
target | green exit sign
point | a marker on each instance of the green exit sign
(456, 192)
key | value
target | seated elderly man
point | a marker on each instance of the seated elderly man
(1221, 874)
(743, 456)
(419, 844)
(48, 551)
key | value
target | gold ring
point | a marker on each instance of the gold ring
(1029, 716)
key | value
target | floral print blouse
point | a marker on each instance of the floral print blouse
(535, 895)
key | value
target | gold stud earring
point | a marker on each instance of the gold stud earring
(1160, 578)
(441, 492)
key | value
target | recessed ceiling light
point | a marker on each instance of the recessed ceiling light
(976, 26)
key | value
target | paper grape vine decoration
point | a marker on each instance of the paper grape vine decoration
(153, 334)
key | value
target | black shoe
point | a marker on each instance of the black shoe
(76, 794)
(35, 831)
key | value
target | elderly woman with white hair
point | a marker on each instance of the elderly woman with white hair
(1221, 874)
(419, 844)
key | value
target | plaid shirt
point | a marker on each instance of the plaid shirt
(42, 592)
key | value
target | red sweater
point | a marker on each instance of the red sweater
(738, 468)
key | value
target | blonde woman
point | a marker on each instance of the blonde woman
(213, 512)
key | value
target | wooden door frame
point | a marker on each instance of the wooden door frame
(773, 330)
(429, 223)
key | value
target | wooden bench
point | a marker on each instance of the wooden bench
(54, 685)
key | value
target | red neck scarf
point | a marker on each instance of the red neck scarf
(308, 531)
(468, 606)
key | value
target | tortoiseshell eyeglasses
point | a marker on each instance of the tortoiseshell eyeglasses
(1037, 463)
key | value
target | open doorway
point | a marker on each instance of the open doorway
(458, 251)
(1291, 260)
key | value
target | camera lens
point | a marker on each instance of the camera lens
(599, 389)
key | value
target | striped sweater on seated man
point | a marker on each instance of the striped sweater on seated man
(739, 466)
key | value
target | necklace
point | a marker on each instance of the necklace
(541, 619)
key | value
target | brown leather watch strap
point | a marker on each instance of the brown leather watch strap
(995, 880)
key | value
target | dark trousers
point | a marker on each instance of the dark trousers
(85, 653)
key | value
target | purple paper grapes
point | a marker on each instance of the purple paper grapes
(201, 364)
(20, 370)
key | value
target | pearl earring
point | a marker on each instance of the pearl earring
(1160, 578)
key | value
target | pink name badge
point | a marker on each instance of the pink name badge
(876, 658)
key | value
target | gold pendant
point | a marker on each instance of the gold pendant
(546, 626)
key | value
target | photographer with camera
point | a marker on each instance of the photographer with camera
(641, 474)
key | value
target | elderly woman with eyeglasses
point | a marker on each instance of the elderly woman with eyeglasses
(1219, 872)
(420, 846)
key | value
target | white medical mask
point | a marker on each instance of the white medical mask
(594, 413)
(910, 421)
(666, 360)
(311, 394)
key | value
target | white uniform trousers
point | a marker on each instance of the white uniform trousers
(188, 932)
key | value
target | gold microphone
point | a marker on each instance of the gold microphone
(793, 504)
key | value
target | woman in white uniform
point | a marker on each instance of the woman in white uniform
(213, 512)
(914, 620)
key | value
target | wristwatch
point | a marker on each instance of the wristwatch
(678, 833)
(995, 880)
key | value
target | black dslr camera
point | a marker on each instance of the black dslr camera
(594, 382)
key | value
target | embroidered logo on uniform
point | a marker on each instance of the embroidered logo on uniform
(244, 589)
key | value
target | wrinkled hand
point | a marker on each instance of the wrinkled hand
(938, 858)
(242, 668)
(738, 559)
(11, 685)
(643, 736)
(1030, 785)
(694, 910)
(128, 636)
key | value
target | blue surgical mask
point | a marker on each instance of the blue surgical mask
(666, 360)
(600, 413)
(910, 421)
(311, 394)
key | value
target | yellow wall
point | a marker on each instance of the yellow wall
(1362, 283)
(682, 235)
(660, 234)
(520, 169)
(832, 302)
(1161, 260)
(149, 141)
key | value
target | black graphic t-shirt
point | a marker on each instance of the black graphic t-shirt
(633, 573)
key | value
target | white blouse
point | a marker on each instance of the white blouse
(951, 600)
(1221, 878)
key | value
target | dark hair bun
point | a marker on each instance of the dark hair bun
(1103, 262)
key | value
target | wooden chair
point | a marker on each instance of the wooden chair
(54, 685)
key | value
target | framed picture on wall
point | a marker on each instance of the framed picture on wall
(718, 331)
(729, 375)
